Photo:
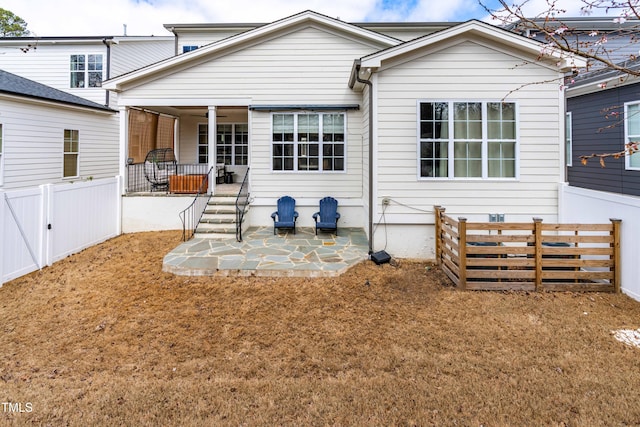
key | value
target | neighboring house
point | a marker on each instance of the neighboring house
(603, 114)
(604, 36)
(603, 109)
(50, 136)
(78, 65)
(460, 117)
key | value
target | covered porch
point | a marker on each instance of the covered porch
(169, 149)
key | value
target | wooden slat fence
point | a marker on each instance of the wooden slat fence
(529, 256)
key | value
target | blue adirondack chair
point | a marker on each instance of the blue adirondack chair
(286, 215)
(327, 218)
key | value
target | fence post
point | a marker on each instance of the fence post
(438, 224)
(462, 251)
(617, 271)
(537, 231)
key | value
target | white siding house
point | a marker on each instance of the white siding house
(470, 65)
(335, 109)
(50, 136)
(78, 65)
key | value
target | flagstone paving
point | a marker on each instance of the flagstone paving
(263, 254)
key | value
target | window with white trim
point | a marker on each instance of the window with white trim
(568, 139)
(471, 139)
(86, 71)
(71, 153)
(632, 133)
(308, 142)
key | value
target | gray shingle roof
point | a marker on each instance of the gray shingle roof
(16, 85)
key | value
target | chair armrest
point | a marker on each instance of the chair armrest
(337, 215)
(315, 216)
(274, 215)
(295, 215)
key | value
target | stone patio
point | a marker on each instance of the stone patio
(263, 254)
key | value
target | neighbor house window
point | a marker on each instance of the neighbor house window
(86, 71)
(71, 145)
(568, 140)
(467, 140)
(308, 142)
(186, 49)
(232, 143)
(632, 133)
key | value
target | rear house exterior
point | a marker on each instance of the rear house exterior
(312, 106)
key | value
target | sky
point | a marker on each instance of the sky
(147, 17)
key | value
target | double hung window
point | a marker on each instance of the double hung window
(308, 142)
(467, 139)
(86, 71)
(70, 154)
(632, 133)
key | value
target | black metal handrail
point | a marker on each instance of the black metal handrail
(190, 217)
(241, 204)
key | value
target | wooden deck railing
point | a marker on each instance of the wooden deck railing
(529, 256)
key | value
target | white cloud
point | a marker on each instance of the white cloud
(146, 17)
(90, 17)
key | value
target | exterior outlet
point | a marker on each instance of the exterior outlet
(386, 201)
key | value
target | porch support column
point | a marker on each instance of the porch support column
(212, 130)
(124, 147)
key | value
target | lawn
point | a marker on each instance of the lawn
(105, 337)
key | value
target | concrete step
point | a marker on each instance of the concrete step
(222, 200)
(218, 218)
(215, 236)
(220, 210)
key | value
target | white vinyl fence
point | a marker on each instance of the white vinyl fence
(580, 205)
(41, 225)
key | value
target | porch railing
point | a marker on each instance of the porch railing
(190, 217)
(137, 181)
(241, 205)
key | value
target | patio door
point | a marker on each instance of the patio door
(232, 144)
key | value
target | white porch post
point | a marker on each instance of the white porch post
(211, 133)
(124, 147)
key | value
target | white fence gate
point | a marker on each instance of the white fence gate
(41, 225)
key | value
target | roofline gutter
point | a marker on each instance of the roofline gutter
(370, 84)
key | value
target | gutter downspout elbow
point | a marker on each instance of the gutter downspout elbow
(370, 85)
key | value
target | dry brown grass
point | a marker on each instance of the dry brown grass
(105, 337)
